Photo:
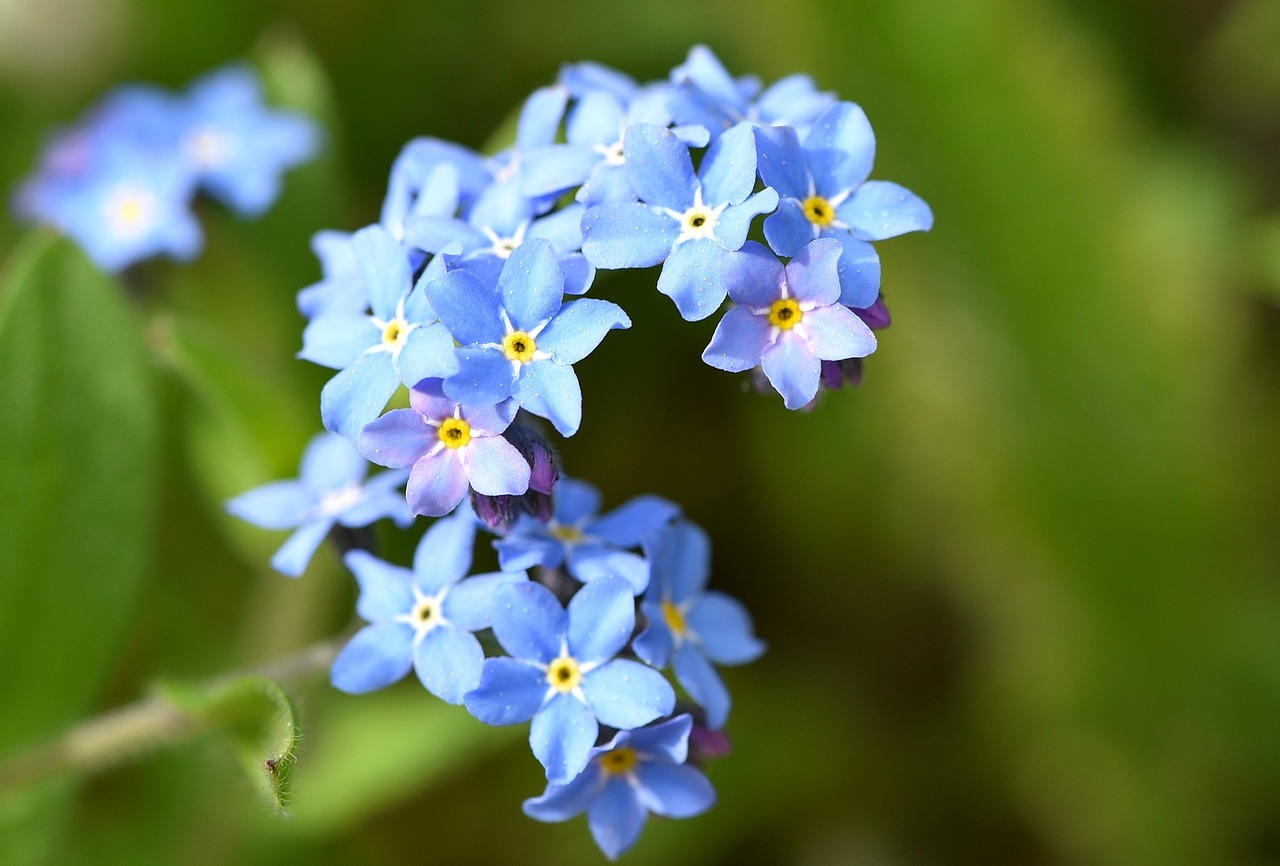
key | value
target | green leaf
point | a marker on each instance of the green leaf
(260, 719)
(78, 473)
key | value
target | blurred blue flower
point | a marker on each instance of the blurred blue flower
(424, 618)
(330, 490)
(690, 627)
(562, 673)
(636, 773)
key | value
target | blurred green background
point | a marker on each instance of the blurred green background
(1021, 589)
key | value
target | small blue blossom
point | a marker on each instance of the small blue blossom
(330, 490)
(788, 320)
(590, 546)
(435, 177)
(683, 220)
(562, 673)
(517, 339)
(424, 618)
(448, 449)
(400, 343)
(690, 627)
(823, 191)
(636, 773)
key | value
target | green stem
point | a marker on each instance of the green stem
(145, 726)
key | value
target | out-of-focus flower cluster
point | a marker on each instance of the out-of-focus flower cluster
(467, 296)
(122, 181)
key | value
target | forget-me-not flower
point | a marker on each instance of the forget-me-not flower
(636, 773)
(562, 674)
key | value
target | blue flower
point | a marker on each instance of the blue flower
(330, 490)
(690, 627)
(821, 179)
(236, 146)
(636, 773)
(424, 618)
(683, 220)
(593, 547)
(340, 290)
(401, 343)
(435, 177)
(517, 338)
(562, 673)
(448, 448)
(788, 320)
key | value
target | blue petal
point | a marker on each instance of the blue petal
(551, 391)
(666, 742)
(385, 589)
(616, 818)
(562, 802)
(793, 100)
(792, 369)
(443, 556)
(880, 209)
(358, 394)
(440, 194)
(859, 272)
(448, 662)
(597, 120)
(691, 278)
(563, 228)
(840, 148)
(588, 562)
(813, 274)
(835, 333)
(729, 168)
(540, 116)
(578, 273)
(501, 209)
(557, 168)
(432, 234)
(377, 656)
(632, 521)
(337, 339)
(510, 692)
(787, 229)
(384, 269)
(753, 275)
(383, 497)
(561, 736)
(531, 285)
(397, 439)
(529, 622)
(723, 627)
(602, 616)
(781, 161)
(278, 505)
(654, 644)
(576, 501)
(658, 167)
(579, 327)
(296, 552)
(700, 680)
(484, 376)
(331, 463)
(437, 483)
(467, 307)
(427, 354)
(495, 467)
(469, 604)
(518, 551)
(735, 220)
(674, 791)
(627, 694)
(627, 235)
(739, 340)
(704, 69)
(679, 561)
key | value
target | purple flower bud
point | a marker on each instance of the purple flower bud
(875, 316)
(499, 513)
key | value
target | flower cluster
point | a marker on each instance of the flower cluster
(465, 299)
(121, 182)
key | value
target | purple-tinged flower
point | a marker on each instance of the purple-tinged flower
(592, 546)
(636, 773)
(448, 448)
(330, 490)
(788, 319)
(562, 673)
(238, 148)
(690, 627)
(823, 191)
(683, 220)
(499, 513)
(517, 339)
(424, 618)
(400, 343)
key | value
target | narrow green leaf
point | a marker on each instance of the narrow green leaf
(78, 475)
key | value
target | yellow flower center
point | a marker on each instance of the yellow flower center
(395, 333)
(674, 618)
(455, 432)
(567, 534)
(564, 674)
(617, 761)
(819, 211)
(785, 314)
(519, 346)
(423, 611)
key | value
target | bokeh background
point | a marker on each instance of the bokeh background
(1021, 588)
